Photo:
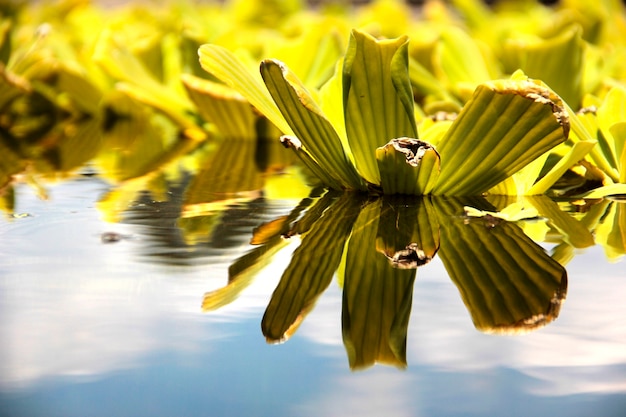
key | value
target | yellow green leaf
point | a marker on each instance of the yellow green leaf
(504, 127)
(378, 99)
(407, 166)
(317, 135)
(229, 69)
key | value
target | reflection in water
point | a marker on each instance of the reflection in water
(190, 216)
(376, 295)
(508, 282)
(375, 245)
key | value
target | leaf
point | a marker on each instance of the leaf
(611, 233)
(331, 104)
(310, 271)
(611, 118)
(424, 82)
(508, 283)
(376, 298)
(215, 180)
(618, 131)
(241, 274)
(545, 59)
(312, 55)
(85, 94)
(521, 182)
(408, 231)
(504, 127)
(574, 232)
(5, 40)
(407, 166)
(432, 131)
(459, 61)
(121, 64)
(378, 100)
(576, 154)
(326, 178)
(225, 66)
(225, 108)
(582, 130)
(310, 126)
(511, 213)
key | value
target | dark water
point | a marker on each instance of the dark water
(101, 318)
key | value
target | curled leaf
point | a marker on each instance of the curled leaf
(407, 166)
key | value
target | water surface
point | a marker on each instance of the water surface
(97, 328)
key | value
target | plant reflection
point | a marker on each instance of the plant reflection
(508, 283)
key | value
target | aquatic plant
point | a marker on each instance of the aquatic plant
(363, 133)
(136, 67)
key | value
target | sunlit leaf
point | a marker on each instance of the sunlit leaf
(576, 153)
(460, 62)
(583, 131)
(225, 108)
(504, 127)
(612, 124)
(605, 191)
(408, 166)
(311, 55)
(545, 59)
(310, 126)
(122, 65)
(618, 131)
(432, 131)
(331, 104)
(425, 83)
(378, 100)
(229, 69)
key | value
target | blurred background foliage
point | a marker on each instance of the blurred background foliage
(116, 88)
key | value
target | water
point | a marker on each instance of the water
(94, 328)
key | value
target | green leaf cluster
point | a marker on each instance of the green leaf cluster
(505, 126)
(368, 111)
